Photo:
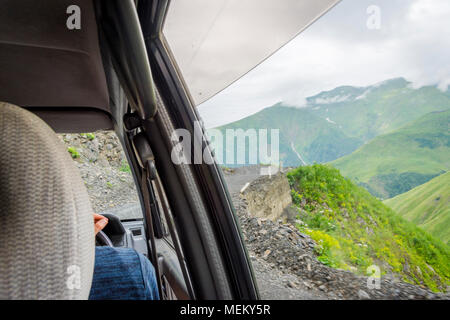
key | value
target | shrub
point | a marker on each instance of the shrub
(89, 136)
(73, 152)
(125, 167)
(353, 228)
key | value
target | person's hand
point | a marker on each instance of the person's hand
(99, 222)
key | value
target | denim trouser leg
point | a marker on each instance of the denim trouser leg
(122, 273)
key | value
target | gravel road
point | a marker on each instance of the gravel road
(276, 285)
(272, 283)
(236, 178)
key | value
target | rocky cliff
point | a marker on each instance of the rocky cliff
(268, 197)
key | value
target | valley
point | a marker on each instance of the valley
(428, 206)
(335, 123)
(398, 161)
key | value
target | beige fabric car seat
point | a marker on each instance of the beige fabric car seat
(46, 223)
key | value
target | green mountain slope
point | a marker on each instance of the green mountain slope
(396, 162)
(303, 137)
(337, 122)
(354, 230)
(427, 206)
(381, 108)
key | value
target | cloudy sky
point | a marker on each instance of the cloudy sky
(413, 42)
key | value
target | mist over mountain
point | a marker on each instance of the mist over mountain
(337, 122)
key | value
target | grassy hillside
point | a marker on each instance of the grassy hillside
(335, 123)
(396, 162)
(303, 135)
(427, 206)
(355, 230)
(367, 112)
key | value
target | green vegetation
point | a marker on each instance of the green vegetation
(125, 167)
(354, 230)
(396, 162)
(73, 152)
(427, 206)
(314, 138)
(335, 123)
(370, 111)
(89, 136)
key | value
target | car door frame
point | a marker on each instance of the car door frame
(137, 57)
(209, 177)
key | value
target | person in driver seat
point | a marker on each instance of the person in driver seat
(121, 273)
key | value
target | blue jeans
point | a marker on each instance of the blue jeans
(122, 273)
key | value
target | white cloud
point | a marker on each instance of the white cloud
(413, 42)
(334, 99)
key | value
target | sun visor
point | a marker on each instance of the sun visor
(216, 42)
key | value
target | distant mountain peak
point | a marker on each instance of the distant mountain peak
(348, 93)
(344, 119)
(400, 82)
(337, 95)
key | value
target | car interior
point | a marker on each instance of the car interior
(114, 73)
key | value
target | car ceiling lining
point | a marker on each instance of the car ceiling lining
(44, 65)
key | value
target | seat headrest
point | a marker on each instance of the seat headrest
(46, 224)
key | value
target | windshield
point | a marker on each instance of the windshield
(335, 148)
